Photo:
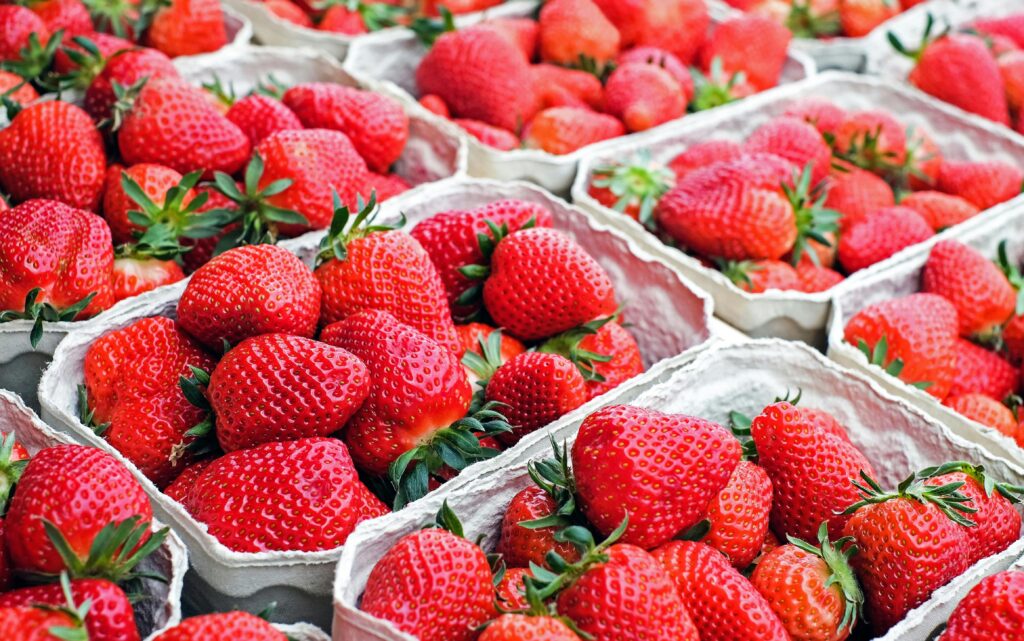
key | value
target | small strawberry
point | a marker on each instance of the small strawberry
(703, 154)
(633, 187)
(435, 104)
(473, 335)
(822, 113)
(814, 278)
(1011, 27)
(227, 625)
(188, 27)
(622, 359)
(519, 627)
(991, 611)
(510, 591)
(134, 276)
(489, 135)
(758, 276)
(387, 186)
(643, 96)
(979, 371)
(985, 410)
(984, 184)
(1011, 67)
(860, 17)
(110, 616)
(160, 205)
(978, 289)
(940, 210)
(856, 194)
(798, 142)
(881, 235)
(258, 116)
(575, 30)
(522, 32)
(923, 162)
(563, 130)
(125, 68)
(751, 44)
(738, 515)
(290, 12)
(17, 25)
(657, 57)
(17, 89)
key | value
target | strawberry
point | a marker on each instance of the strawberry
(201, 138)
(488, 135)
(52, 150)
(871, 140)
(713, 591)
(124, 68)
(376, 124)
(811, 588)
(432, 584)
(738, 515)
(519, 627)
(753, 45)
(155, 181)
(796, 141)
(607, 466)
(910, 541)
(258, 116)
(572, 31)
(475, 339)
(110, 616)
(17, 25)
(479, 74)
(612, 341)
(41, 624)
(290, 12)
(510, 591)
(179, 488)
(563, 130)
(983, 184)
(435, 104)
(978, 289)
(657, 57)
(757, 276)
(814, 278)
(991, 610)
(678, 26)
(703, 154)
(55, 263)
(247, 291)
(134, 276)
(881, 235)
(979, 371)
(188, 27)
(16, 89)
(644, 96)
(789, 442)
(542, 283)
(822, 113)
(521, 32)
(940, 210)
(633, 187)
(923, 162)
(277, 477)
(860, 17)
(387, 186)
(1011, 68)
(1011, 26)
(856, 194)
(227, 625)
(985, 410)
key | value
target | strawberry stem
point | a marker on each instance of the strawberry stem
(945, 497)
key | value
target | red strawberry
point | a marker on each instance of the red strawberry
(17, 25)
(633, 187)
(290, 12)
(542, 283)
(432, 584)
(983, 372)
(616, 342)
(644, 96)
(608, 465)
(52, 150)
(738, 515)
(489, 135)
(16, 89)
(796, 141)
(978, 289)
(247, 291)
(703, 154)
(991, 610)
(106, 45)
(825, 115)
(984, 184)
(881, 235)
(476, 338)
(814, 278)
(872, 140)
(435, 104)
(678, 26)
(376, 124)
(510, 592)
(714, 592)
(480, 75)
(182, 484)
(857, 193)
(309, 496)
(758, 276)
(188, 27)
(39, 624)
(811, 588)
(662, 59)
(563, 130)
(520, 546)
(200, 138)
(228, 625)
(125, 68)
(387, 186)
(521, 32)
(559, 86)
(110, 616)
(985, 410)
(574, 30)
(519, 627)
(70, 16)
(751, 44)
(1011, 68)
(924, 159)
(940, 210)
(134, 276)
(258, 116)
(860, 17)
(155, 181)
(1011, 26)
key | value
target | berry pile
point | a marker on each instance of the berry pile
(590, 70)
(356, 17)
(810, 196)
(705, 533)
(960, 338)
(827, 18)
(235, 403)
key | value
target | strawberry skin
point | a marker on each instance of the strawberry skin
(16, 25)
(940, 210)
(985, 410)
(251, 290)
(228, 625)
(983, 184)
(520, 546)
(614, 340)
(511, 590)
(570, 29)
(34, 624)
(53, 150)
(535, 389)
(519, 627)
(644, 96)
(182, 484)
(300, 495)
(125, 68)
(703, 154)
(543, 283)
(134, 276)
(155, 180)
(258, 116)
(489, 135)
(619, 445)
(313, 389)
(991, 611)
(739, 515)
(856, 194)
(881, 235)
(959, 69)
(825, 115)
(16, 89)
(187, 28)
(750, 44)
(110, 616)
(798, 142)
(980, 371)
(563, 130)
(978, 289)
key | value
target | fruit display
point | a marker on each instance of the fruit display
(801, 190)
(828, 19)
(581, 545)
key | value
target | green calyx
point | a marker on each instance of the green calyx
(865, 152)
(487, 361)
(203, 433)
(123, 18)
(456, 446)
(35, 59)
(879, 356)
(739, 424)
(256, 218)
(1012, 493)
(548, 583)
(375, 15)
(77, 613)
(641, 181)
(899, 176)
(589, 64)
(926, 39)
(803, 22)
(837, 557)
(738, 271)
(716, 88)
(567, 344)
(813, 220)
(554, 476)
(124, 102)
(40, 312)
(428, 30)
(345, 228)
(87, 415)
(1012, 272)
(945, 497)
(89, 63)
(224, 93)
(487, 241)
(10, 471)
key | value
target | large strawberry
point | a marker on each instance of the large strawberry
(53, 150)
(753, 45)
(294, 495)
(259, 115)
(738, 515)
(226, 625)
(188, 27)
(880, 235)
(796, 141)
(993, 610)
(619, 446)
(249, 291)
(981, 371)
(110, 616)
(368, 266)
(312, 390)
(984, 183)
(912, 337)
(981, 293)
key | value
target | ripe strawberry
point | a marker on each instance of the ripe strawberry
(290, 12)
(473, 335)
(17, 25)
(125, 68)
(822, 113)
(860, 17)
(188, 27)
(811, 588)
(607, 465)
(940, 210)
(923, 162)
(519, 627)
(134, 276)
(881, 235)
(796, 141)
(387, 186)
(432, 584)
(633, 187)
(575, 30)
(522, 32)
(479, 74)
(376, 124)
(110, 616)
(247, 291)
(1011, 26)
(856, 193)
(489, 135)
(984, 184)
(789, 442)
(228, 625)
(751, 44)
(563, 130)
(662, 59)
(1011, 68)
(510, 591)
(991, 610)
(980, 371)
(258, 116)
(644, 96)
(910, 543)
(520, 545)
(872, 140)
(678, 26)
(182, 484)
(40, 624)
(542, 283)
(757, 276)
(435, 104)
(450, 238)
(155, 181)
(278, 477)
(201, 138)
(611, 340)
(713, 591)
(16, 89)
(703, 154)
(64, 62)
(978, 289)
(814, 278)
(985, 410)
(52, 150)
(738, 515)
